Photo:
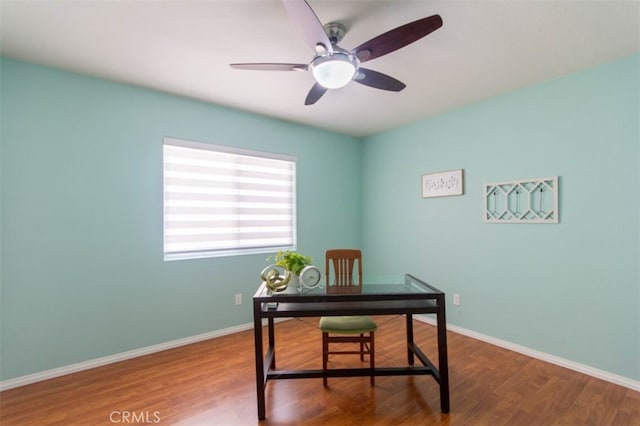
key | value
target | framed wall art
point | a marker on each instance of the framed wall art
(442, 184)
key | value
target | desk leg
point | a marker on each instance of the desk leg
(260, 382)
(443, 364)
(410, 356)
(272, 343)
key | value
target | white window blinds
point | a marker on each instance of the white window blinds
(221, 200)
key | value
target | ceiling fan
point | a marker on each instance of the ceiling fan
(334, 67)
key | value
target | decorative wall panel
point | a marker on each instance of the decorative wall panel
(522, 201)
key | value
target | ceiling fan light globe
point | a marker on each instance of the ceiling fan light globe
(335, 71)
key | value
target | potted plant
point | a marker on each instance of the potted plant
(292, 261)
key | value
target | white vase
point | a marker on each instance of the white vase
(294, 281)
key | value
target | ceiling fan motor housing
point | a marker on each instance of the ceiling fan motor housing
(335, 31)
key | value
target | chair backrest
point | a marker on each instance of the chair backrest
(343, 261)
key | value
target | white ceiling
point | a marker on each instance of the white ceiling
(484, 48)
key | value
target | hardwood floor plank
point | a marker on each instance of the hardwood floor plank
(213, 383)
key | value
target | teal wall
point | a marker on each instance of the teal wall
(82, 272)
(81, 215)
(571, 289)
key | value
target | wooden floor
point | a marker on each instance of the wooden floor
(212, 383)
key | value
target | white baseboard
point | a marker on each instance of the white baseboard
(98, 362)
(552, 359)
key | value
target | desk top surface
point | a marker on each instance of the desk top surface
(406, 285)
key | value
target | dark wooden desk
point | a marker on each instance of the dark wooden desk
(412, 296)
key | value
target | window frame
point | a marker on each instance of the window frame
(225, 149)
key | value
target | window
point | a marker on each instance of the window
(222, 201)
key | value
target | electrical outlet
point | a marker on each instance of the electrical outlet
(456, 299)
(239, 299)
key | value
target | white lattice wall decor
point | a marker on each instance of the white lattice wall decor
(522, 201)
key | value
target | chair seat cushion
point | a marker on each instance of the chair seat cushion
(347, 325)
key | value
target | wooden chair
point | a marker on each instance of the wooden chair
(346, 329)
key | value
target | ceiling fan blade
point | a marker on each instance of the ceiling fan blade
(397, 38)
(315, 93)
(312, 30)
(270, 67)
(378, 80)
